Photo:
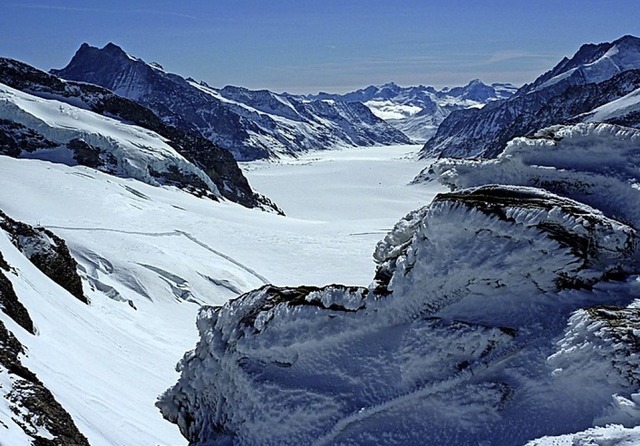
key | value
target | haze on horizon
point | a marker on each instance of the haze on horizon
(303, 46)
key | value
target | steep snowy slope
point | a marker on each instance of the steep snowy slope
(250, 124)
(594, 76)
(149, 256)
(18, 139)
(624, 111)
(68, 134)
(29, 412)
(418, 111)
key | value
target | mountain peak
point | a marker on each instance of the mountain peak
(628, 39)
(112, 47)
(592, 63)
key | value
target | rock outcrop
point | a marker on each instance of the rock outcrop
(452, 342)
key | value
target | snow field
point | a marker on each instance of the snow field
(149, 256)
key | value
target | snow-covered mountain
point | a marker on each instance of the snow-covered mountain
(250, 124)
(148, 257)
(505, 312)
(594, 76)
(73, 123)
(418, 111)
(497, 315)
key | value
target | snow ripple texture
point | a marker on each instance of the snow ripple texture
(498, 315)
(593, 163)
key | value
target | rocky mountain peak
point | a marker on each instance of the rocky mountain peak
(595, 75)
(249, 125)
(591, 63)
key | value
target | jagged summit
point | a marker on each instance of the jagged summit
(242, 125)
(592, 63)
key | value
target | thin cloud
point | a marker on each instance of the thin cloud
(57, 8)
(507, 55)
(103, 10)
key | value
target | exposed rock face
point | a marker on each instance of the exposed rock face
(9, 302)
(219, 166)
(48, 252)
(594, 76)
(449, 343)
(35, 409)
(250, 124)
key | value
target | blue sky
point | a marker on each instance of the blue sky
(305, 46)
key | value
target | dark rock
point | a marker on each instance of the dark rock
(33, 404)
(9, 302)
(16, 138)
(48, 252)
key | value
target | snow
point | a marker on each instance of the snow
(498, 314)
(165, 252)
(391, 110)
(137, 151)
(620, 107)
(456, 352)
(10, 432)
(590, 162)
(614, 61)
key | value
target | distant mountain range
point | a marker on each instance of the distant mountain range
(250, 124)
(418, 111)
(575, 90)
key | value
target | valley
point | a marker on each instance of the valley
(235, 266)
(150, 256)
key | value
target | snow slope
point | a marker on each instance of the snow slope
(616, 109)
(125, 149)
(149, 256)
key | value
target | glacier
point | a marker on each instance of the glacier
(490, 313)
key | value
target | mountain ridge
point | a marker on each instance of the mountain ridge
(231, 122)
(418, 110)
(218, 165)
(485, 132)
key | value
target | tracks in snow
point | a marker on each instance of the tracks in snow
(174, 233)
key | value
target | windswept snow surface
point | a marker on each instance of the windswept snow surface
(594, 163)
(149, 256)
